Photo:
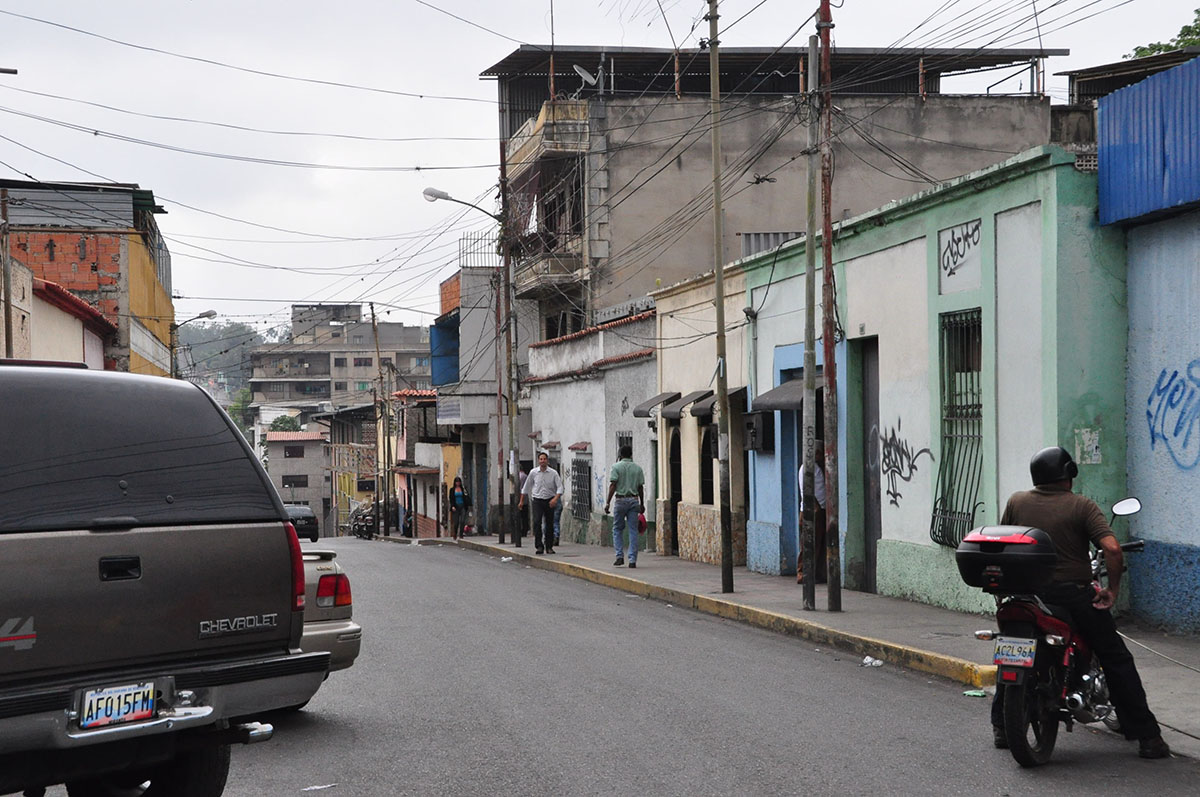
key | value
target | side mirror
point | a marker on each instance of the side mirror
(1127, 506)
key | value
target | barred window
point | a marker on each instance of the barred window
(581, 488)
(624, 439)
(961, 469)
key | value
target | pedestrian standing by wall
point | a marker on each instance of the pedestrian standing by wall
(544, 488)
(818, 519)
(460, 505)
(626, 481)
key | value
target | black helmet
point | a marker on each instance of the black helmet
(1051, 465)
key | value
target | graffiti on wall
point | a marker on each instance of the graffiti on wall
(956, 244)
(959, 257)
(897, 459)
(1173, 413)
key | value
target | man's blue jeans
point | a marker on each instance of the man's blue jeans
(625, 521)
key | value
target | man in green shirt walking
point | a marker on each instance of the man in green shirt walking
(626, 481)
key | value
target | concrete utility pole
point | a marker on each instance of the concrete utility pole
(7, 263)
(808, 538)
(714, 69)
(829, 332)
(8, 302)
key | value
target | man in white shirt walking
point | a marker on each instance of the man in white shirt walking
(544, 488)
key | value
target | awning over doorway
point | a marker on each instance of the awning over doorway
(788, 396)
(704, 407)
(643, 410)
(675, 408)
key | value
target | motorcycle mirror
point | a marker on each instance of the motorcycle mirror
(1127, 506)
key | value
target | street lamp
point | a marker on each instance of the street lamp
(434, 194)
(503, 309)
(175, 338)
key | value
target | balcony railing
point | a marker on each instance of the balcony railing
(545, 263)
(561, 128)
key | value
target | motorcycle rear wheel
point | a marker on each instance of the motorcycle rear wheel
(1030, 721)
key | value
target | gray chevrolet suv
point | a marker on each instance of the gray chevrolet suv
(151, 586)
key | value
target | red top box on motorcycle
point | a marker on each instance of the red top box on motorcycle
(1006, 559)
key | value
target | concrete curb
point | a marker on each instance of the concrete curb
(418, 541)
(950, 667)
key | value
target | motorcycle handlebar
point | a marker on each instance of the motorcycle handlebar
(1134, 545)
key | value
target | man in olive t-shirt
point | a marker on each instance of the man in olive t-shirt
(1074, 523)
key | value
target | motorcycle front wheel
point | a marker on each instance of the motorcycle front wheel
(1031, 720)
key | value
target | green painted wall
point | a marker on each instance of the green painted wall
(1083, 319)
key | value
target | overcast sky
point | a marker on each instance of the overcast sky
(306, 234)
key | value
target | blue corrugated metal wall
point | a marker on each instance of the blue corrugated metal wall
(1149, 145)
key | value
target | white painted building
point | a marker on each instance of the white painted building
(582, 389)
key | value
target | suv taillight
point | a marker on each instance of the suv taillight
(297, 568)
(333, 590)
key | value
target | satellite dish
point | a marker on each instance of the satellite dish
(588, 79)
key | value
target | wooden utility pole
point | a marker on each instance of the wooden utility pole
(808, 538)
(714, 69)
(502, 516)
(829, 331)
(513, 462)
(381, 425)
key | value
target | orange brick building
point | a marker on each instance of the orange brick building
(101, 243)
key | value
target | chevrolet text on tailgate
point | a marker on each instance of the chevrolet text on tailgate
(151, 587)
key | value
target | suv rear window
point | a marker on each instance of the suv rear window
(79, 448)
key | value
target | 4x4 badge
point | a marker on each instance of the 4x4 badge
(18, 633)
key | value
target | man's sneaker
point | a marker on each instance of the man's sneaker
(632, 565)
(1153, 748)
(539, 552)
(999, 739)
(620, 561)
(549, 550)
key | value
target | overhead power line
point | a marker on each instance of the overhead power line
(245, 128)
(245, 69)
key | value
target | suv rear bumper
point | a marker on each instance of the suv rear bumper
(188, 697)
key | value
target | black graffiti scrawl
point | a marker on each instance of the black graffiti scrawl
(897, 461)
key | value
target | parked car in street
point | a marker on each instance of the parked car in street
(151, 586)
(305, 521)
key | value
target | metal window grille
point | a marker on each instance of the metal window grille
(961, 469)
(624, 439)
(755, 242)
(581, 488)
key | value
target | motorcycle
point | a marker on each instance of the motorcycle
(1046, 668)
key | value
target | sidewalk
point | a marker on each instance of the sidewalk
(901, 633)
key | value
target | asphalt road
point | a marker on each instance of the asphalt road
(483, 677)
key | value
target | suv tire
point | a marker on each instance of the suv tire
(191, 773)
